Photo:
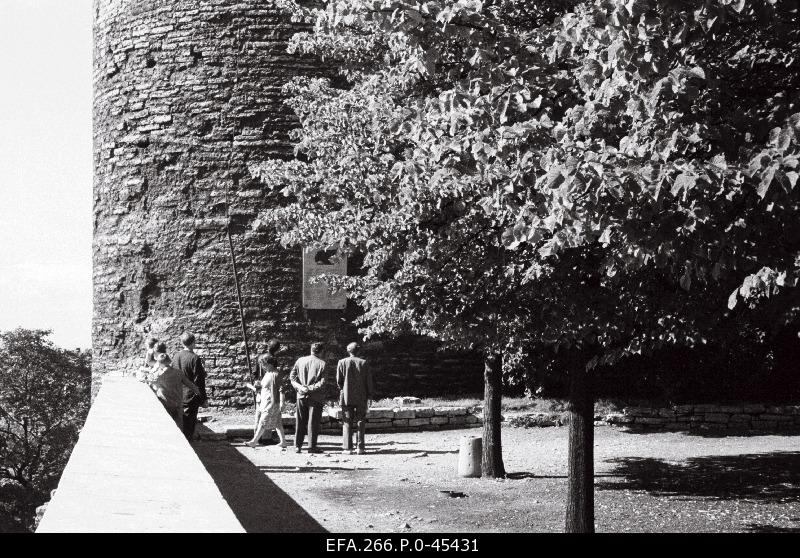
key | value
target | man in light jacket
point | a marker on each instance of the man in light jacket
(355, 380)
(309, 379)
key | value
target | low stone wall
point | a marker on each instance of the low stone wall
(386, 419)
(403, 418)
(709, 417)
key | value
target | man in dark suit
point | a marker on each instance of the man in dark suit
(308, 377)
(191, 365)
(355, 380)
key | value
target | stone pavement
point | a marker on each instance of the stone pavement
(133, 471)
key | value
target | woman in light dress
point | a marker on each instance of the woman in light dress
(270, 404)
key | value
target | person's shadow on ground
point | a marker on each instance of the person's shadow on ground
(258, 503)
(310, 469)
(421, 452)
(375, 448)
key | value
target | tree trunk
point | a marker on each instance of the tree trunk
(492, 456)
(580, 469)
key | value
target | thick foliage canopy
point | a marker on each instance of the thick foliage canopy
(579, 174)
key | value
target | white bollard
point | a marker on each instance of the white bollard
(469, 456)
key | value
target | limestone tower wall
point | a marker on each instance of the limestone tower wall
(187, 93)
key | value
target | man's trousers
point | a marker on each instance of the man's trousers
(175, 412)
(353, 414)
(190, 418)
(308, 415)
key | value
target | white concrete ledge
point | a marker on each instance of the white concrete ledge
(132, 470)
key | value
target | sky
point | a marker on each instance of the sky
(46, 168)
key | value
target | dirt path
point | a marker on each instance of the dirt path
(645, 482)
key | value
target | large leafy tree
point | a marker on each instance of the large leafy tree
(393, 166)
(678, 165)
(604, 178)
(44, 399)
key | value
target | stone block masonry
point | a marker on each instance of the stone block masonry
(381, 419)
(689, 417)
(710, 417)
(404, 418)
(187, 95)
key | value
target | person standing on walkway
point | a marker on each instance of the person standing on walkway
(169, 386)
(354, 379)
(309, 379)
(149, 365)
(150, 353)
(190, 364)
(147, 374)
(270, 404)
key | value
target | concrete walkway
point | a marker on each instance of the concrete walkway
(133, 471)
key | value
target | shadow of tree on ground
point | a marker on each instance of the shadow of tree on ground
(258, 503)
(760, 477)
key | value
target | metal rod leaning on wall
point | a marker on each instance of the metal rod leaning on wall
(238, 292)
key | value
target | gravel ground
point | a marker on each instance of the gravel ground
(654, 482)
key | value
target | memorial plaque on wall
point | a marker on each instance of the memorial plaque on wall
(317, 296)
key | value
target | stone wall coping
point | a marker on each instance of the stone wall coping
(132, 470)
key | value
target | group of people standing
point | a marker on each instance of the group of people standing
(309, 378)
(179, 383)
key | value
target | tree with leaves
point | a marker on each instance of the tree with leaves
(375, 178)
(598, 177)
(44, 399)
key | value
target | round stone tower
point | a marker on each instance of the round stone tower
(187, 93)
